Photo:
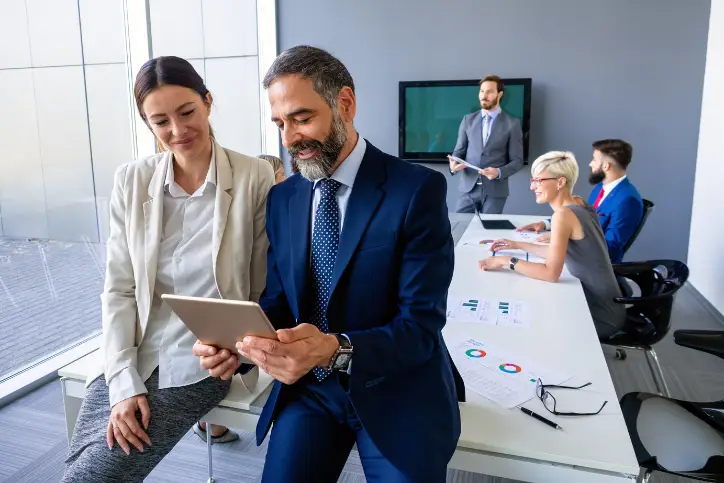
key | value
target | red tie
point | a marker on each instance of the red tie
(598, 199)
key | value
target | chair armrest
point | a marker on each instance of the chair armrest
(710, 341)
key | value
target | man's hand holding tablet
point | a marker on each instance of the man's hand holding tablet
(458, 164)
(295, 352)
(231, 333)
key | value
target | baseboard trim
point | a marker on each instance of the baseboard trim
(706, 304)
(30, 377)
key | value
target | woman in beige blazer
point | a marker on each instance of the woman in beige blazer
(189, 221)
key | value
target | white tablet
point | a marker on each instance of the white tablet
(462, 161)
(219, 322)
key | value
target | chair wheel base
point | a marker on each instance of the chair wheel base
(621, 355)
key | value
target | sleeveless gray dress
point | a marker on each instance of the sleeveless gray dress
(587, 260)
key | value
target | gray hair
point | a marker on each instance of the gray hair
(327, 74)
(273, 160)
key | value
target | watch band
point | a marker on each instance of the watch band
(343, 355)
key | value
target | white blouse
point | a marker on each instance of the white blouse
(185, 267)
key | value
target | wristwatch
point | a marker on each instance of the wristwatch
(513, 261)
(342, 357)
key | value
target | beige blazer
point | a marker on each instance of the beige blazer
(136, 211)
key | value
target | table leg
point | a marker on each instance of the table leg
(644, 476)
(71, 406)
(209, 443)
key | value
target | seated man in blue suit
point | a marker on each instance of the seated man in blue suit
(616, 200)
(358, 268)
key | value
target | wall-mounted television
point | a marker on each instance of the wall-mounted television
(431, 112)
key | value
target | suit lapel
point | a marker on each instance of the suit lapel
(222, 203)
(153, 221)
(363, 202)
(300, 215)
(615, 191)
(608, 200)
(594, 193)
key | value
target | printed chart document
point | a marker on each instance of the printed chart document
(474, 309)
(527, 236)
(506, 378)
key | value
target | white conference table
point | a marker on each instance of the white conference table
(507, 443)
(496, 441)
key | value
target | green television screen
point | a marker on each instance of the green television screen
(431, 112)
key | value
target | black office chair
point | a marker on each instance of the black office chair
(679, 437)
(648, 317)
(648, 208)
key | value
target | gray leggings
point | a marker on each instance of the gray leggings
(173, 412)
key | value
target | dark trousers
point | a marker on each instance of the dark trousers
(491, 205)
(314, 432)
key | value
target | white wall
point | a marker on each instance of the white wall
(65, 124)
(219, 38)
(71, 119)
(706, 242)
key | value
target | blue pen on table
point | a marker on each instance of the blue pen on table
(540, 418)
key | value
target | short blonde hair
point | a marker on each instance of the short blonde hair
(561, 164)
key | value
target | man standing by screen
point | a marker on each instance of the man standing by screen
(492, 140)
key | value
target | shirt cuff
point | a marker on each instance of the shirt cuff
(547, 224)
(349, 366)
(124, 385)
(500, 173)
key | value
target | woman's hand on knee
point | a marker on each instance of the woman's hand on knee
(124, 427)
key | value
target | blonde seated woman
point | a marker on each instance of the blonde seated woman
(577, 240)
(277, 166)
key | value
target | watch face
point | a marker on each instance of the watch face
(342, 360)
(513, 260)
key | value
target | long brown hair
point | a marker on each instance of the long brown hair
(167, 70)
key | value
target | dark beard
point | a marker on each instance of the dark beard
(596, 177)
(320, 166)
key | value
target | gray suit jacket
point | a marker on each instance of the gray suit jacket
(504, 150)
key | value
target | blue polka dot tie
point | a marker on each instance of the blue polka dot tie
(325, 242)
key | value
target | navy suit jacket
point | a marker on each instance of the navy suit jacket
(619, 213)
(388, 295)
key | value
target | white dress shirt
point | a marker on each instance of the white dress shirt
(490, 116)
(185, 267)
(345, 174)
